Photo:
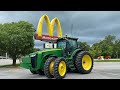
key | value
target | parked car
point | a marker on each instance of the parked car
(101, 57)
(108, 57)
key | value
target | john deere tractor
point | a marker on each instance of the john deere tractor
(63, 56)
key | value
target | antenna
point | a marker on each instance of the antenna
(71, 29)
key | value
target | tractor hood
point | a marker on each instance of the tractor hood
(49, 50)
(31, 58)
(52, 51)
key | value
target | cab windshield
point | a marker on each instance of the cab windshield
(61, 44)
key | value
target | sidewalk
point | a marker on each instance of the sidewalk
(7, 61)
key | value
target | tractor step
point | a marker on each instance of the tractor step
(71, 65)
(72, 69)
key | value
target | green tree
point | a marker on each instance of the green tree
(107, 45)
(95, 50)
(16, 39)
(103, 47)
(110, 39)
(116, 49)
(83, 45)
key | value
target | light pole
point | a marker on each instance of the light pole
(6, 56)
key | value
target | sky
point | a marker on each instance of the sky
(88, 26)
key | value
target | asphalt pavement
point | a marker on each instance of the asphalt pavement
(101, 70)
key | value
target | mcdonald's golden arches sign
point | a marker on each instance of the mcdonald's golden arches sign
(50, 28)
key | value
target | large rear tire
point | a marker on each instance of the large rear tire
(60, 68)
(84, 62)
(48, 67)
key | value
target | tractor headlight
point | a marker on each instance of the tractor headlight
(33, 55)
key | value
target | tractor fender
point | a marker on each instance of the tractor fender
(75, 52)
(47, 56)
(44, 60)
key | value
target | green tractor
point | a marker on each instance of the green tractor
(63, 56)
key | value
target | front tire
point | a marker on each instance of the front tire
(60, 68)
(48, 67)
(84, 62)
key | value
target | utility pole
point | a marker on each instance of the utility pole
(71, 30)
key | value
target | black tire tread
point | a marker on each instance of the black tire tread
(78, 62)
(46, 67)
(55, 68)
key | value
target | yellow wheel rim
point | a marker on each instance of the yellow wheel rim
(62, 68)
(86, 62)
(51, 67)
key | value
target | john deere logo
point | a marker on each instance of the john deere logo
(50, 28)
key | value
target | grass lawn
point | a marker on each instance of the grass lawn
(8, 66)
(107, 61)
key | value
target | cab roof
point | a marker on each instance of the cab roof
(68, 38)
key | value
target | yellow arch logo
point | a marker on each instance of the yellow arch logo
(50, 26)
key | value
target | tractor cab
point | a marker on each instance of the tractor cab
(68, 45)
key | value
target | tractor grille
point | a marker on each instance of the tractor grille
(34, 61)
